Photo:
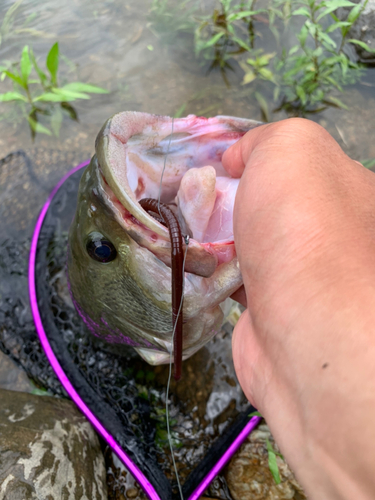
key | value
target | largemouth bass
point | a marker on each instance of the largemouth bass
(119, 256)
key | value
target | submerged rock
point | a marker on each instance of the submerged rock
(248, 475)
(363, 29)
(48, 450)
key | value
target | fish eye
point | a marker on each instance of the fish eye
(100, 249)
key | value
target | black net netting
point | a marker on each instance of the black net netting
(207, 407)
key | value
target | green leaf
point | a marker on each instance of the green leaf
(12, 96)
(335, 26)
(15, 78)
(241, 15)
(354, 13)
(8, 21)
(70, 94)
(267, 74)
(249, 77)
(362, 44)
(293, 50)
(52, 62)
(302, 36)
(255, 414)
(263, 106)
(180, 111)
(336, 102)
(301, 94)
(25, 64)
(56, 121)
(41, 74)
(37, 127)
(50, 97)
(302, 11)
(40, 392)
(368, 163)
(333, 82)
(334, 5)
(272, 463)
(214, 39)
(84, 87)
(327, 39)
(242, 44)
(264, 59)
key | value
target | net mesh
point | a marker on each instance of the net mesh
(202, 405)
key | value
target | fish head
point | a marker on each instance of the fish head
(119, 256)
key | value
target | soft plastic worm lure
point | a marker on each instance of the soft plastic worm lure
(168, 219)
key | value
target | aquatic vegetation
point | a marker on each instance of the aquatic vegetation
(310, 72)
(42, 96)
(228, 32)
(304, 77)
(9, 27)
(167, 18)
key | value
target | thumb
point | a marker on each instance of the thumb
(235, 158)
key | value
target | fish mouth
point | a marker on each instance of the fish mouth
(177, 161)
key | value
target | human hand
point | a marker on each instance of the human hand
(304, 351)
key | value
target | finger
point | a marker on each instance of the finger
(246, 355)
(240, 296)
(235, 158)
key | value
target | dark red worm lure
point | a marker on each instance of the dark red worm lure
(169, 220)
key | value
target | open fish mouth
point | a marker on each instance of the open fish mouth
(127, 299)
(149, 156)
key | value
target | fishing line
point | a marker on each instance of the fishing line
(165, 163)
(174, 326)
(170, 371)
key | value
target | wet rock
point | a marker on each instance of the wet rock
(363, 29)
(248, 475)
(121, 484)
(13, 377)
(48, 450)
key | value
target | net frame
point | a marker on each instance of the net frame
(102, 417)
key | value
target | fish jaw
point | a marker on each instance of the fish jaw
(132, 150)
(128, 301)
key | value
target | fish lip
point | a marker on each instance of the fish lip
(118, 130)
(202, 258)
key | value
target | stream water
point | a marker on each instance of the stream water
(115, 44)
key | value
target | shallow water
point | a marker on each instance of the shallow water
(115, 44)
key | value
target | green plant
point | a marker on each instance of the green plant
(369, 163)
(9, 27)
(272, 454)
(312, 70)
(272, 462)
(167, 19)
(228, 32)
(305, 77)
(42, 96)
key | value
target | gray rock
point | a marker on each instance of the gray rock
(248, 475)
(12, 377)
(363, 29)
(48, 451)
